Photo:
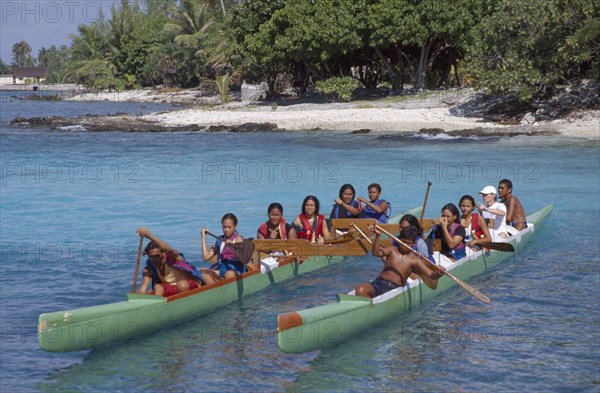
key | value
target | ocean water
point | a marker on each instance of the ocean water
(70, 202)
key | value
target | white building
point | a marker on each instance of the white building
(24, 75)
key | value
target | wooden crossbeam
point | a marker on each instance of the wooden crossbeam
(305, 249)
(353, 247)
(346, 223)
(363, 224)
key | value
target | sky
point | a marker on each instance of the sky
(43, 23)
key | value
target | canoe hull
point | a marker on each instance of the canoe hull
(91, 327)
(332, 324)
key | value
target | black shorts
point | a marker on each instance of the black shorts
(381, 286)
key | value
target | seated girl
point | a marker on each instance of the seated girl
(375, 207)
(475, 226)
(346, 206)
(228, 263)
(276, 227)
(310, 224)
(448, 229)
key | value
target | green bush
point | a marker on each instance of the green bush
(337, 88)
(130, 81)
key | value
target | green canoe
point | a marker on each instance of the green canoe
(331, 324)
(91, 327)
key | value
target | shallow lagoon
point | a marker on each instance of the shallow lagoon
(71, 201)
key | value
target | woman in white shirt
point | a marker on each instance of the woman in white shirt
(496, 210)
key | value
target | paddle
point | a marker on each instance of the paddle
(243, 250)
(344, 239)
(137, 265)
(499, 246)
(463, 284)
(424, 204)
(362, 233)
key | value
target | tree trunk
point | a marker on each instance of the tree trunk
(422, 67)
(306, 73)
(443, 80)
(409, 64)
(301, 76)
(456, 75)
(390, 71)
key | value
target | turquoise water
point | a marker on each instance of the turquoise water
(71, 201)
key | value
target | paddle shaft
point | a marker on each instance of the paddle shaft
(215, 236)
(362, 233)
(463, 284)
(424, 204)
(137, 265)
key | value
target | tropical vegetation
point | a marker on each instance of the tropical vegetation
(523, 46)
(4, 68)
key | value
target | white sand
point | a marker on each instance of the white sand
(336, 119)
(328, 117)
(408, 115)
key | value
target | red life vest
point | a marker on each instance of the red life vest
(475, 228)
(263, 229)
(308, 231)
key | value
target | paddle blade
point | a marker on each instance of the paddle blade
(499, 246)
(469, 288)
(344, 239)
(244, 250)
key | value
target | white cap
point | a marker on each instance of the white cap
(488, 190)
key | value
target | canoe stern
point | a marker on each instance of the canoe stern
(90, 327)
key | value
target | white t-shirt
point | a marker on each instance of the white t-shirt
(499, 221)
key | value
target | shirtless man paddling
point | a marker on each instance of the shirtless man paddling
(399, 262)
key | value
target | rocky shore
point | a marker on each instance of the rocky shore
(128, 123)
(459, 112)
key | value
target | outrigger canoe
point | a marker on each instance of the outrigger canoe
(91, 327)
(331, 324)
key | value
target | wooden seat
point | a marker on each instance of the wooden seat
(427, 224)
(490, 225)
(436, 246)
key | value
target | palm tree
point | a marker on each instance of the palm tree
(121, 24)
(4, 68)
(43, 57)
(92, 42)
(192, 20)
(22, 54)
(222, 7)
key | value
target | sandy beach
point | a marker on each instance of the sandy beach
(447, 111)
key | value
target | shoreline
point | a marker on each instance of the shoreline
(377, 121)
(432, 112)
